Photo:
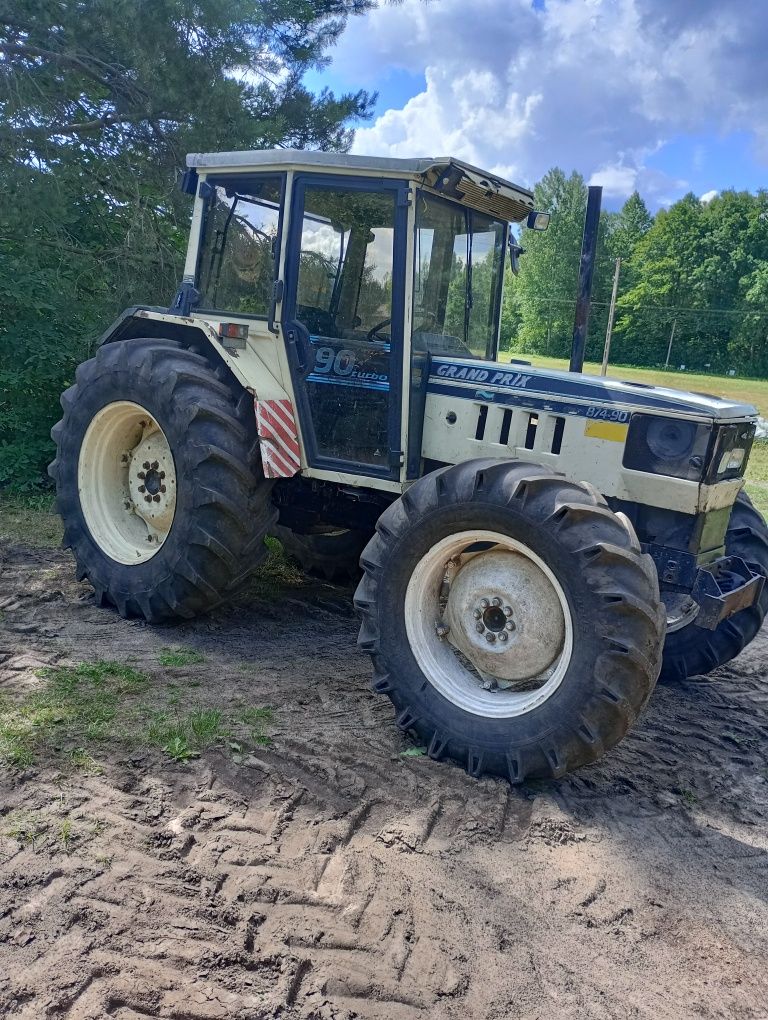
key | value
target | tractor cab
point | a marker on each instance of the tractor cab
(366, 266)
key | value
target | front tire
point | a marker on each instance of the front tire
(486, 544)
(159, 481)
(693, 651)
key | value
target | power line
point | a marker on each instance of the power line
(666, 309)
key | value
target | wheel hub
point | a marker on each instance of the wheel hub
(504, 615)
(127, 482)
(151, 464)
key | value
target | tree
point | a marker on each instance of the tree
(666, 291)
(546, 286)
(628, 228)
(695, 281)
(99, 102)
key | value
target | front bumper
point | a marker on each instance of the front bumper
(723, 588)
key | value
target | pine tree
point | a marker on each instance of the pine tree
(99, 102)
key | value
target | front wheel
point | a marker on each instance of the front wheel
(511, 618)
(690, 650)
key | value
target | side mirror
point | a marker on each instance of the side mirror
(515, 251)
(538, 220)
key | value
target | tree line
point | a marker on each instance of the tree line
(693, 284)
(100, 100)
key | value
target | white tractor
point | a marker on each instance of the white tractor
(536, 546)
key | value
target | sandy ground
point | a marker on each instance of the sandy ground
(330, 876)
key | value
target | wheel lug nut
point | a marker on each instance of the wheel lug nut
(142, 488)
(147, 498)
(510, 625)
(162, 488)
(155, 465)
(479, 628)
(490, 636)
(503, 636)
(484, 603)
(507, 610)
(496, 602)
(477, 614)
(141, 475)
(146, 465)
(156, 497)
(162, 474)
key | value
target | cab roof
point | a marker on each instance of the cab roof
(452, 177)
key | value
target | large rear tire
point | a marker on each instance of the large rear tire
(511, 617)
(159, 480)
(693, 651)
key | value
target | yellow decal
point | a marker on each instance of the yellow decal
(615, 431)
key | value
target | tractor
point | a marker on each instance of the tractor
(536, 547)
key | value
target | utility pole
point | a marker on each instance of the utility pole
(671, 338)
(612, 309)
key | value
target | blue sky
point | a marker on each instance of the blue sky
(666, 96)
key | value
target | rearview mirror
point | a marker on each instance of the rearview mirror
(537, 220)
(515, 251)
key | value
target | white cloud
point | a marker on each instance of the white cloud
(595, 84)
(616, 180)
(707, 197)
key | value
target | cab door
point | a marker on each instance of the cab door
(343, 315)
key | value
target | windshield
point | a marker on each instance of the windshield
(238, 247)
(457, 282)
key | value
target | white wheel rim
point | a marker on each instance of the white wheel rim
(127, 482)
(446, 593)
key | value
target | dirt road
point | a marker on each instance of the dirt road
(329, 875)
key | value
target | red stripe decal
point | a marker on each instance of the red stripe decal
(278, 438)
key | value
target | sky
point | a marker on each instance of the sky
(662, 96)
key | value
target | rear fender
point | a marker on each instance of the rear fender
(281, 449)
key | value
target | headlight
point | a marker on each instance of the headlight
(669, 439)
(667, 446)
(730, 451)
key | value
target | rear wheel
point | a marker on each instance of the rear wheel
(690, 650)
(158, 480)
(511, 618)
(326, 551)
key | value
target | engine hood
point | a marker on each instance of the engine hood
(519, 384)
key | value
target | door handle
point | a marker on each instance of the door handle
(278, 288)
(298, 348)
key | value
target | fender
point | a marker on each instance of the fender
(277, 428)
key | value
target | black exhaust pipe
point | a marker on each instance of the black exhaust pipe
(586, 271)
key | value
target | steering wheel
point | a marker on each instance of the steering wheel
(372, 333)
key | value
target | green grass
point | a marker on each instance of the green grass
(87, 710)
(257, 720)
(76, 706)
(30, 520)
(180, 657)
(48, 830)
(757, 477)
(276, 573)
